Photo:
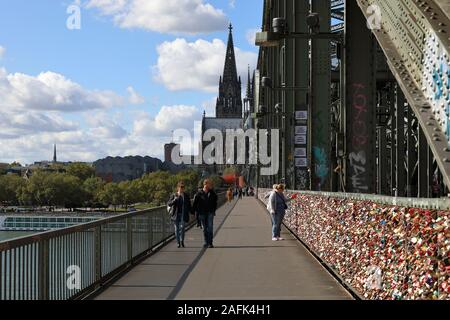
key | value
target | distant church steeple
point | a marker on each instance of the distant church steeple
(54, 154)
(229, 102)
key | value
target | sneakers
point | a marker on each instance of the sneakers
(210, 246)
(280, 239)
(274, 239)
(205, 246)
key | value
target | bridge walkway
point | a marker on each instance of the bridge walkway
(245, 264)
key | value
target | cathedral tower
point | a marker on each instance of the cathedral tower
(229, 102)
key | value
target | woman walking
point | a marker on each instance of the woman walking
(180, 208)
(229, 195)
(277, 207)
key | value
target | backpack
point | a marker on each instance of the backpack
(170, 210)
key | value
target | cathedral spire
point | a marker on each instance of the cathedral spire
(54, 153)
(249, 90)
(230, 71)
(229, 102)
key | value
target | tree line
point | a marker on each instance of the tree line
(79, 187)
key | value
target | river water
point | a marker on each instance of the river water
(7, 235)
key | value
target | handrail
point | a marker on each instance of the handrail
(383, 250)
(75, 261)
(26, 240)
(422, 203)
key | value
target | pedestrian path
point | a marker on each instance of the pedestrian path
(245, 264)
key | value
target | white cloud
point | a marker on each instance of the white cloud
(251, 35)
(209, 106)
(19, 124)
(232, 3)
(2, 51)
(134, 97)
(101, 135)
(196, 65)
(165, 16)
(51, 91)
(111, 131)
(168, 119)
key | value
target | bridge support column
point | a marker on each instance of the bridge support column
(98, 252)
(423, 164)
(320, 102)
(360, 102)
(44, 270)
(400, 146)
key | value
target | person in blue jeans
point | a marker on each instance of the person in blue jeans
(180, 208)
(205, 205)
(277, 207)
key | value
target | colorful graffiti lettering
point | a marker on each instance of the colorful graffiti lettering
(357, 158)
(357, 163)
(321, 166)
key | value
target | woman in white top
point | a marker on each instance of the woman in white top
(277, 208)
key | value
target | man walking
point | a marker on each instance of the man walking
(205, 204)
(180, 207)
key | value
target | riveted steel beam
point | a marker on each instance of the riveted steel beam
(415, 39)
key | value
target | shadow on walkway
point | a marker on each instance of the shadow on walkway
(245, 264)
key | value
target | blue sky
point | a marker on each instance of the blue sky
(135, 71)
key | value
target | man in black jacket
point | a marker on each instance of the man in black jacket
(205, 204)
(180, 208)
(197, 216)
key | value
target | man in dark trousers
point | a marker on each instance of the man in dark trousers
(205, 204)
(180, 208)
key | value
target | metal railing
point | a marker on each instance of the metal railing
(73, 262)
(379, 247)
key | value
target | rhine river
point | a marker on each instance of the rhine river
(6, 235)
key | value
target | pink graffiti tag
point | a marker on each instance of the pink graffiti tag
(360, 136)
(359, 140)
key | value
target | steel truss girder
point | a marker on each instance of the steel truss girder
(404, 71)
(360, 114)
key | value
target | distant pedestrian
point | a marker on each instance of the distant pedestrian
(229, 195)
(180, 208)
(205, 205)
(277, 207)
(240, 193)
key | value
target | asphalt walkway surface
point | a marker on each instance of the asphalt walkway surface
(245, 264)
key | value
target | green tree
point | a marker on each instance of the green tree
(37, 189)
(157, 186)
(190, 178)
(15, 164)
(10, 187)
(3, 168)
(111, 195)
(230, 170)
(80, 170)
(217, 181)
(73, 194)
(130, 192)
(92, 188)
